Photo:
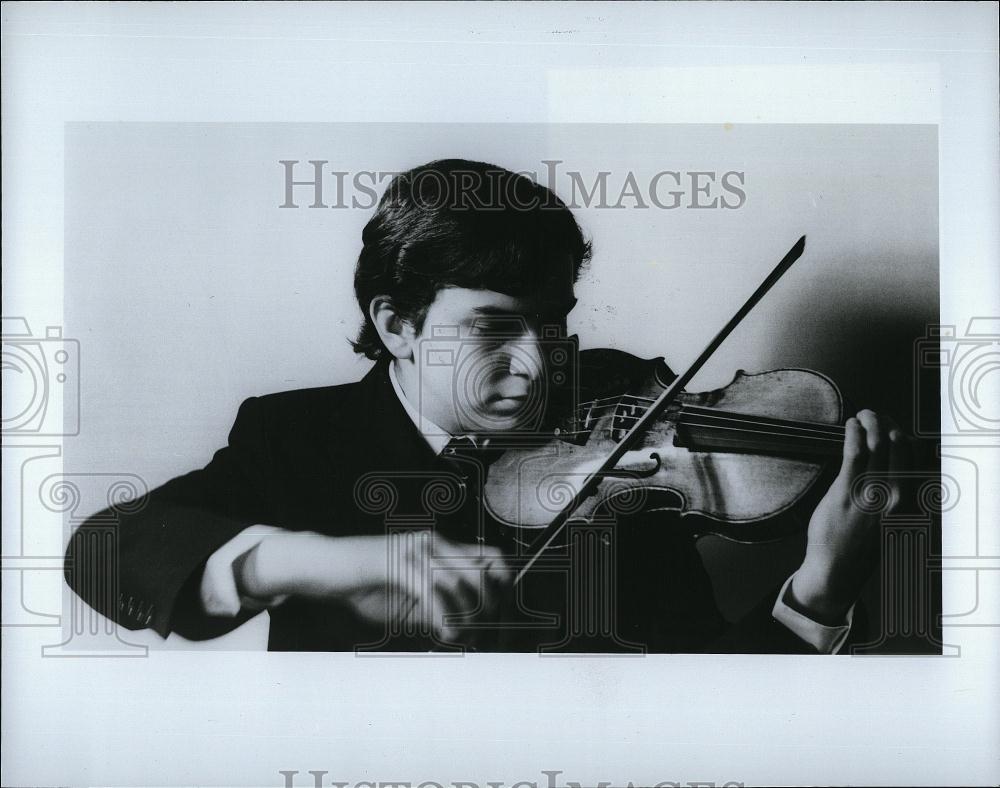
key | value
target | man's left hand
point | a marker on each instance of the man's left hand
(843, 543)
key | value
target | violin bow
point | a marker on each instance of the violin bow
(553, 529)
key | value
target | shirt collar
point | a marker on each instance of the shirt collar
(436, 437)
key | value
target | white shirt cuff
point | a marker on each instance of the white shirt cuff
(219, 595)
(826, 640)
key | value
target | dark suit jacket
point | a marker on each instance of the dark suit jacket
(305, 460)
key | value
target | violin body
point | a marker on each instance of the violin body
(726, 456)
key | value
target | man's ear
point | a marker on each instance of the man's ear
(396, 333)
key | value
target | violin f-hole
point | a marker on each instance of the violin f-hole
(630, 473)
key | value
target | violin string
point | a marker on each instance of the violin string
(802, 438)
(717, 414)
(616, 398)
(619, 397)
(710, 412)
(754, 423)
(798, 442)
(799, 436)
(762, 428)
(765, 430)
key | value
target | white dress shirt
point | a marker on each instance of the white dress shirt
(221, 598)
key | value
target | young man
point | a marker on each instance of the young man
(327, 506)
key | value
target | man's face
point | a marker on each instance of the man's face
(481, 357)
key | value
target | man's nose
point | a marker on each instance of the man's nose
(526, 359)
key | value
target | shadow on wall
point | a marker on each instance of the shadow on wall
(863, 335)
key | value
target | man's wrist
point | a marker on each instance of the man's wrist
(261, 572)
(231, 581)
(813, 594)
(825, 638)
(309, 564)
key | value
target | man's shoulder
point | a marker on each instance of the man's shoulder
(332, 416)
(293, 399)
(293, 404)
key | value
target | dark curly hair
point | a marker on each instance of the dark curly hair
(458, 223)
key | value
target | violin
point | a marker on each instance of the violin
(736, 456)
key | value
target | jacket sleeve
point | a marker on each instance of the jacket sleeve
(139, 562)
(671, 605)
(758, 632)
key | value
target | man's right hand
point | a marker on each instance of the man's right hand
(417, 578)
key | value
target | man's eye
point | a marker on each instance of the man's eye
(498, 327)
